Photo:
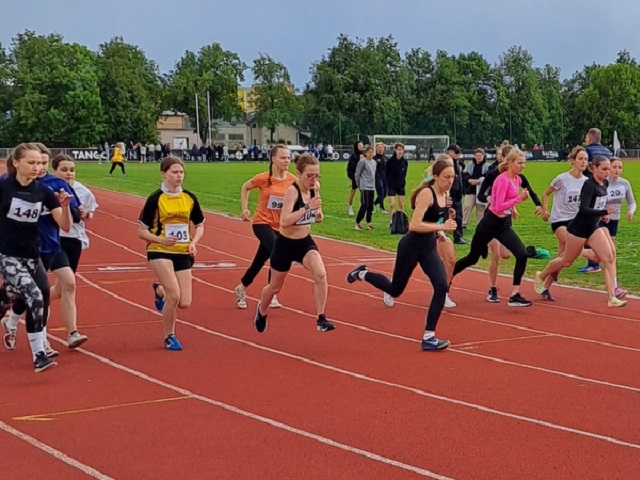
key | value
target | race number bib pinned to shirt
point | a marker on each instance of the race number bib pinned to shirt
(179, 231)
(275, 202)
(308, 218)
(572, 196)
(600, 203)
(23, 211)
(616, 193)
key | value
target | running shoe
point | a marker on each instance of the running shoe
(9, 337)
(620, 293)
(616, 302)
(448, 303)
(434, 344)
(75, 339)
(590, 269)
(42, 362)
(157, 300)
(388, 300)
(49, 351)
(546, 295)
(350, 211)
(354, 275)
(324, 325)
(275, 303)
(492, 296)
(260, 321)
(172, 343)
(357, 227)
(538, 284)
(241, 296)
(369, 227)
(518, 300)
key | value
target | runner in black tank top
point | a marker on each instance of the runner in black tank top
(418, 246)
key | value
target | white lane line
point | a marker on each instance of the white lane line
(57, 454)
(367, 378)
(401, 337)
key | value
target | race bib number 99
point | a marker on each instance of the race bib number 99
(23, 211)
(275, 202)
(179, 231)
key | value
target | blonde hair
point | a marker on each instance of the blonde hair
(511, 157)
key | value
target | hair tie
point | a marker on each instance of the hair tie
(429, 178)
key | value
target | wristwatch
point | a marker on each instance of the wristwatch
(306, 206)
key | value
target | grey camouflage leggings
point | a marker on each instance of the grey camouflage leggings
(27, 276)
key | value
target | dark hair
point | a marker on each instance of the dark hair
(598, 160)
(615, 159)
(506, 150)
(55, 163)
(272, 155)
(303, 160)
(368, 148)
(18, 153)
(166, 163)
(399, 145)
(438, 167)
(479, 150)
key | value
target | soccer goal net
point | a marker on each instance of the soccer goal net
(416, 147)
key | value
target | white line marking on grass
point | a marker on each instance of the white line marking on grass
(367, 378)
(57, 454)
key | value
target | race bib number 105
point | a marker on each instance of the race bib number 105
(180, 231)
(23, 211)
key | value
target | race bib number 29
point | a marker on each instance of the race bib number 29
(23, 211)
(180, 231)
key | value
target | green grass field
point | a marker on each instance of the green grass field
(218, 188)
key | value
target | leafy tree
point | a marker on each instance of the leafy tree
(6, 95)
(273, 94)
(129, 90)
(212, 70)
(551, 91)
(57, 99)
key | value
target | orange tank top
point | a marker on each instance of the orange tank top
(270, 198)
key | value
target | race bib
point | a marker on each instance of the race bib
(616, 193)
(180, 231)
(275, 202)
(600, 203)
(23, 211)
(308, 218)
(572, 196)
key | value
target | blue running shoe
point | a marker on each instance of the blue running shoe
(354, 275)
(435, 344)
(172, 343)
(590, 269)
(159, 301)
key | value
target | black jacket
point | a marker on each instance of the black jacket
(381, 167)
(396, 172)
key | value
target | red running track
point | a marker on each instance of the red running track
(546, 392)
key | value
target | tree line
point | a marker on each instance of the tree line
(63, 93)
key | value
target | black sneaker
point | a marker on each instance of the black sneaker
(354, 275)
(42, 362)
(518, 300)
(492, 296)
(324, 325)
(260, 321)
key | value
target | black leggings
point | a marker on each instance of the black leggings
(267, 237)
(491, 226)
(29, 277)
(113, 167)
(414, 249)
(366, 205)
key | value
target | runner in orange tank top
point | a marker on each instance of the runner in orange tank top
(266, 220)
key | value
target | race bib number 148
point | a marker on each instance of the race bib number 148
(23, 211)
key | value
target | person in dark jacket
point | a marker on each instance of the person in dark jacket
(351, 172)
(381, 179)
(457, 190)
(396, 175)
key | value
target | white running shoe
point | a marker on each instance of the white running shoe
(350, 211)
(75, 339)
(49, 351)
(275, 303)
(241, 296)
(388, 300)
(9, 337)
(448, 303)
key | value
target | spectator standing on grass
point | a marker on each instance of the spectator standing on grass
(472, 177)
(351, 172)
(366, 180)
(158, 151)
(381, 176)
(396, 176)
(172, 224)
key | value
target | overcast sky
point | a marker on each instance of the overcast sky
(565, 33)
